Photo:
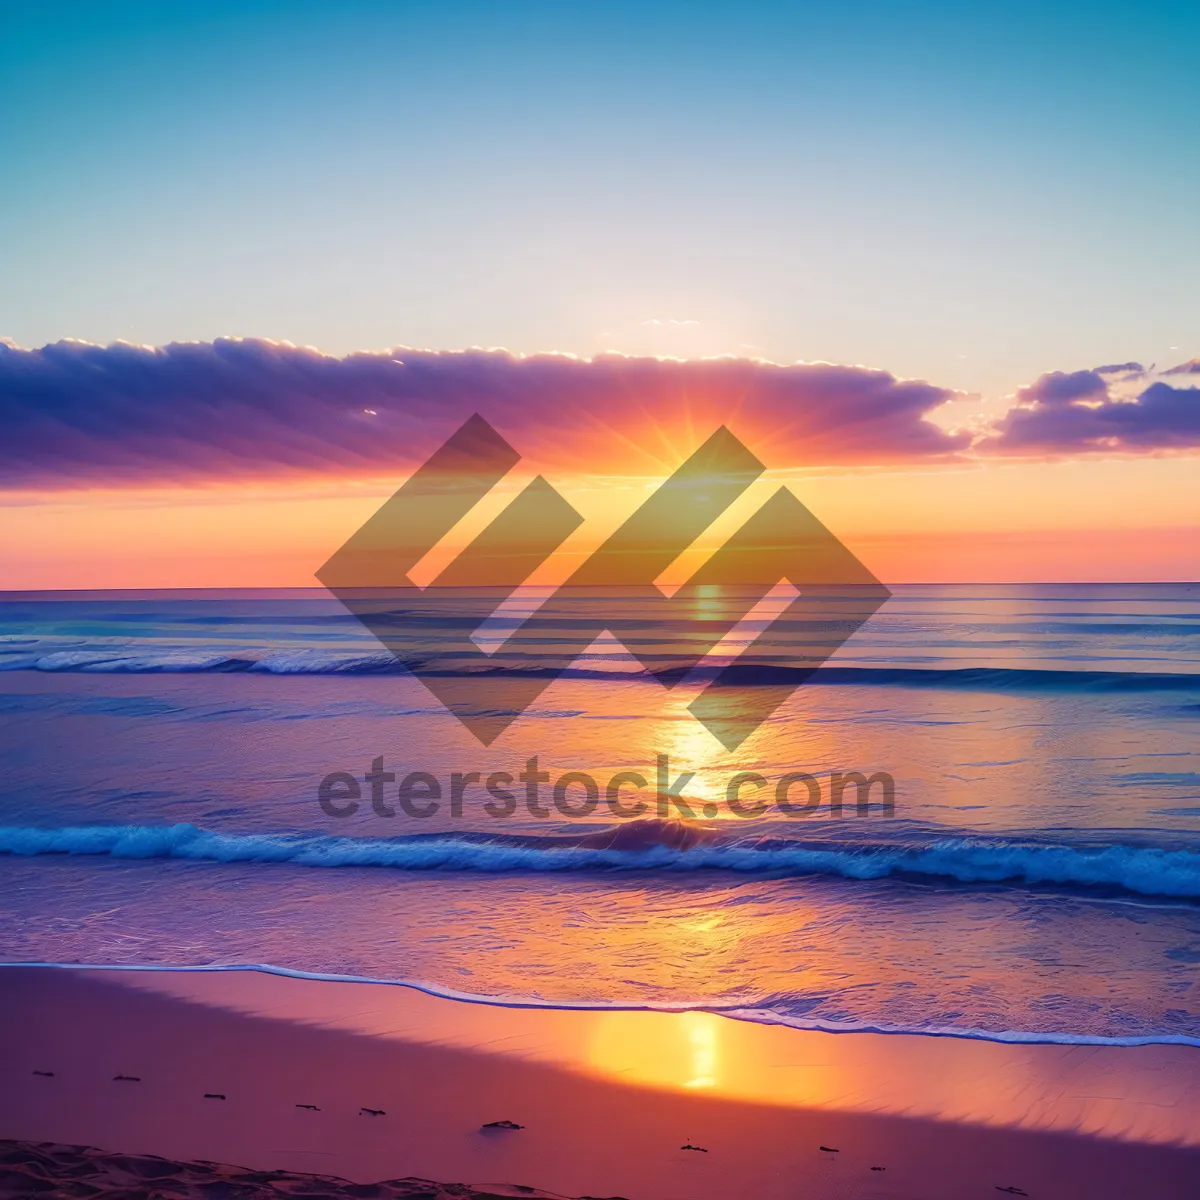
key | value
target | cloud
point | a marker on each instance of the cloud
(1191, 367)
(1085, 411)
(1059, 387)
(1129, 368)
(76, 414)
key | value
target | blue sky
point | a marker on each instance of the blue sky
(970, 193)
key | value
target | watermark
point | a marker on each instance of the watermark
(432, 630)
(658, 792)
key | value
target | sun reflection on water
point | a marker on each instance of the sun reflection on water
(682, 1053)
(701, 1032)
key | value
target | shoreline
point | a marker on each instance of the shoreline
(223, 1066)
(734, 1012)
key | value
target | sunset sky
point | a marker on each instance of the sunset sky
(935, 264)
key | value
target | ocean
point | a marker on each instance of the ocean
(1033, 876)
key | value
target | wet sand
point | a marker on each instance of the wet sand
(371, 1082)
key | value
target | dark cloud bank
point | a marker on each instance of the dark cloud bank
(74, 414)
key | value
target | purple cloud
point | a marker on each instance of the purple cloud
(1073, 413)
(75, 414)
(1129, 368)
(1058, 387)
(1191, 367)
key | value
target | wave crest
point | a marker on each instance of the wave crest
(1018, 680)
(1139, 870)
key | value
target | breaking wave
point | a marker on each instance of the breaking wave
(649, 845)
(1019, 680)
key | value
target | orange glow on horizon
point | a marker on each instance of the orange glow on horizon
(1078, 520)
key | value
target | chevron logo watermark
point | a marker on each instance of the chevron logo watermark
(433, 630)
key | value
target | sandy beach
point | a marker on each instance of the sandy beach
(371, 1082)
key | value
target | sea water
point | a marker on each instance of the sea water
(1035, 876)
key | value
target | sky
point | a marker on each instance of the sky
(965, 208)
